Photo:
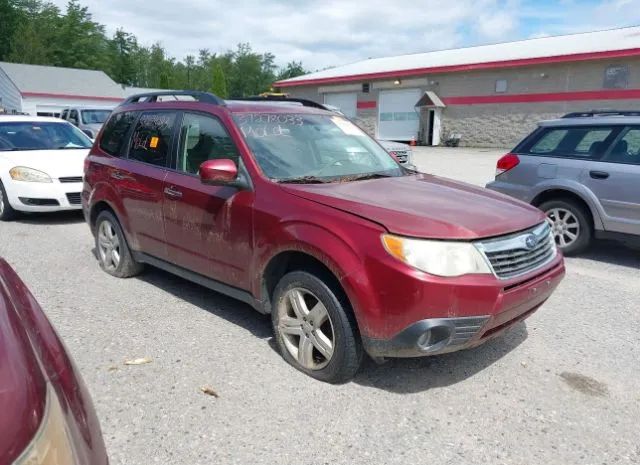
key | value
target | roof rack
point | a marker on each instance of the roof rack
(281, 98)
(149, 97)
(593, 113)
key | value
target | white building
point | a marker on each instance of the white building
(46, 90)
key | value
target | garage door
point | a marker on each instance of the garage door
(346, 102)
(397, 118)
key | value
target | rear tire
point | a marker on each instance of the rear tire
(114, 255)
(315, 329)
(7, 213)
(571, 225)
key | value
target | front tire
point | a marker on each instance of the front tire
(114, 255)
(314, 328)
(7, 213)
(570, 224)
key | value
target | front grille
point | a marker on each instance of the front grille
(74, 198)
(520, 253)
(70, 179)
(402, 155)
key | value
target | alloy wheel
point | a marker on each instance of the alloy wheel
(306, 328)
(108, 246)
(564, 225)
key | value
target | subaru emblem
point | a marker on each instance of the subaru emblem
(531, 241)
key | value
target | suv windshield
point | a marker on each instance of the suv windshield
(292, 147)
(37, 135)
(95, 116)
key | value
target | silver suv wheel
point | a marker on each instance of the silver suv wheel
(564, 225)
(306, 328)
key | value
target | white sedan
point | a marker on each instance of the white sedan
(41, 165)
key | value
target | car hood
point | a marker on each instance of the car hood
(56, 163)
(425, 206)
(95, 127)
(394, 146)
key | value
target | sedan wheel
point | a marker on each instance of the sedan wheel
(108, 246)
(306, 328)
(564, 225)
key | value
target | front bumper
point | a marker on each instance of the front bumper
(43, 197)
(439, 335)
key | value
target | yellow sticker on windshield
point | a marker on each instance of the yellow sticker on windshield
(154, 142)
(347, 126)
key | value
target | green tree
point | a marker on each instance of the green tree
(219, 86)
(33, 39)
(122, 48)
(291, 70)
(10, 18)
(80, 42)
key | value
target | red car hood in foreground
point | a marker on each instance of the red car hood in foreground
(425, 206)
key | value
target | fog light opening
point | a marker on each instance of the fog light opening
(433, 337)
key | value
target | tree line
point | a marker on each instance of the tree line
(38, 32)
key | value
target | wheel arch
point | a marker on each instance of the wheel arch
(558, 193)
(290, 260)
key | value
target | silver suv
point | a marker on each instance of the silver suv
(87, 119)
(583, 171)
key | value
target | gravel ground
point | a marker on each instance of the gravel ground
(562, 388)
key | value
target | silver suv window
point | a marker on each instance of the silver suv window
(571, 142)
(627, 148)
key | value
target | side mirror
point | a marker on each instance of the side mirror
(88, 133)
(218, 172)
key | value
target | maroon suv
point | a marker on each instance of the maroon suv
(296, 211)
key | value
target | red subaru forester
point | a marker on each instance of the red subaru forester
(294, 210)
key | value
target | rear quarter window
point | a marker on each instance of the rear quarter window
(571, 142)
(114, 136)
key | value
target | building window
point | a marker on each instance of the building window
(616, 77)
(501, 86)
(366, 87)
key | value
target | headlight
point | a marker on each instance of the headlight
(21, 173)
(439, 258)
(52, 443)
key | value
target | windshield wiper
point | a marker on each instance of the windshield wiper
(303, 180)
(363, 177)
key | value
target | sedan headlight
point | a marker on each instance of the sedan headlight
(440, 258)
(21, 173)
(52, 443)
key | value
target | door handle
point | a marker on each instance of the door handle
(118, 175)
(599, 174)
(172, 192)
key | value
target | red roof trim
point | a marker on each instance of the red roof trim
(467, 67)
(367, 105)
(80, 97)
(614, 94)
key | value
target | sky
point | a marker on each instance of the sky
(328, 33)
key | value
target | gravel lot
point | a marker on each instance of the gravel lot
(564, 388)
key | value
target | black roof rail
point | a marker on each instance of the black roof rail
(592, 113)
(278, 98)
(149, 97)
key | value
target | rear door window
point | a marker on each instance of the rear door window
(587, 142)
(151, 139)
(114, 136)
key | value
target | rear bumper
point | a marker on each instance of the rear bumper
(432, 336)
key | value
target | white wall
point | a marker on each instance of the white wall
(32, 105)
(10, 98)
